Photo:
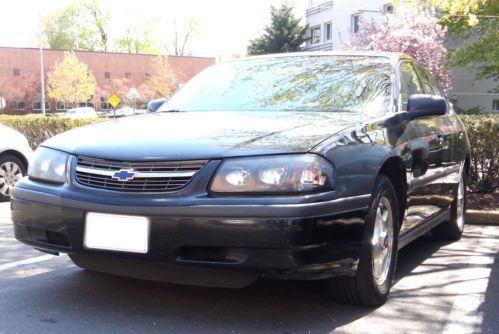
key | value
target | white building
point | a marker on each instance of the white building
(333, 23)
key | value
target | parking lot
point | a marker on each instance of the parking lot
(441, 288)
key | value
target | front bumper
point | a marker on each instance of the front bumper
(306, 239)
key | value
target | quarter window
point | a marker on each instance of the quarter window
(316, 35)
(409, 83)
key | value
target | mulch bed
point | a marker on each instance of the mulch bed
(485, 202)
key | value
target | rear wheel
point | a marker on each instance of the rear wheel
(372, 282)
(453, 229)
(11, 170)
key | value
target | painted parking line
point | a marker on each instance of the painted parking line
(464, 314)
(37, 259)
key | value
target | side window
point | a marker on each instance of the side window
(424, 77)
(409, 83)
(436, 87)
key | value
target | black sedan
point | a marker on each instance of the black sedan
(310, 166)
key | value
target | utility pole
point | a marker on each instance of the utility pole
(42, 74)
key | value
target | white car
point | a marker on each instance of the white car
(15, 153)
(81, 113)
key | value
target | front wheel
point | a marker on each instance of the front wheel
(372, 282)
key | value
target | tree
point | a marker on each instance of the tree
(413, 31)
(182, 34)
(137, 39)
(78, 27)
(478, 33)
(473, 29)
(284, 34)
(162, 79)
(70, 80)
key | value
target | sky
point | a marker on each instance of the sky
(225, 26)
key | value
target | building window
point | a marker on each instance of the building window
(16, 72)
(85, 104)
(355, 23)
(316, 35)
(17, 105)
(327, 28)
(147, 75)
(128, 75)
(60, 106)
(495, 105)
(38, 105)
(107, 75)
(388, 8)
(104, 105)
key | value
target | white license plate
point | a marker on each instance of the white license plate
(116, 232)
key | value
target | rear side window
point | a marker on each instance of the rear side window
(409, 83)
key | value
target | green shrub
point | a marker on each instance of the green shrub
(38, 128)
(471, 111)
(483, 132)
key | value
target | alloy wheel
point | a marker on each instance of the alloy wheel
(10, 173)
(382, 241)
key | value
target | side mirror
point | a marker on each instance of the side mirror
(154, 105)
(423, 105)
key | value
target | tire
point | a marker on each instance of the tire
(12, 169)
(453, 228)
(371, 284)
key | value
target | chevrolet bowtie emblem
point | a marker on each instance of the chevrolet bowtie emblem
(124, 175)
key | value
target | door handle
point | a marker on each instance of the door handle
(440, 139)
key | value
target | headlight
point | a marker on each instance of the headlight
(48, 165)
(274, 174)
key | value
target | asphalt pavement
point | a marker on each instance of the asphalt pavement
(440, 287)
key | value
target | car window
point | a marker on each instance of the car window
(293, 83)
(409, 83)
(424, 78)
(436, 87)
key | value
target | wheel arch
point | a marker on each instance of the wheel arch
(393, 168)
(16, 154)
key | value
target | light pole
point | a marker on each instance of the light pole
(42, 74)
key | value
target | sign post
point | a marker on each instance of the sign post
(114, 101)
(133, 95)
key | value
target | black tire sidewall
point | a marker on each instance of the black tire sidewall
(365, 278)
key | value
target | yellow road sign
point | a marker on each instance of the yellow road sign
(114, 100)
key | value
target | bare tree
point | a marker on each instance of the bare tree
(182, 34)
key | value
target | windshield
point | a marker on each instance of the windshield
(291, 83)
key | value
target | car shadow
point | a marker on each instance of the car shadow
(268, 305)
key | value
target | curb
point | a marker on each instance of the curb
(479, 217)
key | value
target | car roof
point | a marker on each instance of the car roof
(393, 57)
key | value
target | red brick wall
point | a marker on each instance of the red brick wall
(27, 60)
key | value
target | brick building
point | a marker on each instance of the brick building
(20, 75)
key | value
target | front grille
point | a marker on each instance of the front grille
(154, 176)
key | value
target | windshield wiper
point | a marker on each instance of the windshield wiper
(172, 110)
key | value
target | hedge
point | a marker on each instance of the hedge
(483, 132)
(38, 128)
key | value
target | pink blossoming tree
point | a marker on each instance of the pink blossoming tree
(413, 31)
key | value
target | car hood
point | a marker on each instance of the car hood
(202, 135)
